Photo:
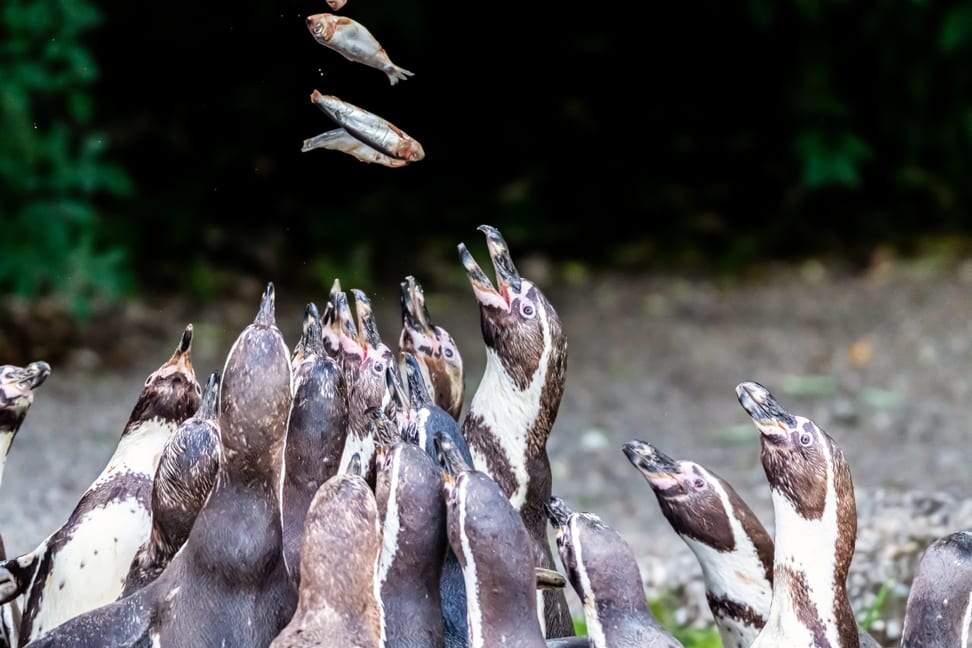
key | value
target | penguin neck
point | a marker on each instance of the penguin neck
(6, 440)
(810, 565)
(517, 419)
(140, 447)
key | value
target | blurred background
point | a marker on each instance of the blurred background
(159, 151)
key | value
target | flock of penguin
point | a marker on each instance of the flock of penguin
(330, 496)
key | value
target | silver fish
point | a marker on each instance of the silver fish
(354, 42)
(371, 129)
(341, 140)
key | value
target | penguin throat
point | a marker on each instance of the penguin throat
(509, 415)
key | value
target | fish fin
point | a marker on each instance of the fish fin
(396, 74)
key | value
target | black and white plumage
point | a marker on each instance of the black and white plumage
(183, 480)
(939, 607)
(17, 385)
(496, 553)
(317, 429)
(816, 527)
(604, 573)
(339, 601)
(228, 586)
(513, 410)
(85, 562)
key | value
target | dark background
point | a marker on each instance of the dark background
(710, 136)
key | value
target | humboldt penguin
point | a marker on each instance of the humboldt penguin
(816, 527)
(496, 553)
(339, 601)
(433, 347)
(183, 480)
(409, 496)
(939, 606)
(366, 360)
(604, 573)
(727, 538)
(85, 562)
(228, 585)
(731, 545)
(317, 429)
(514, 407)
(17, 385)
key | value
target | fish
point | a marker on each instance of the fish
(354, 42)
(341, 140)
(336, 5)
(368, 127)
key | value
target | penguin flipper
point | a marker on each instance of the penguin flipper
(16, 575)
(120, 624)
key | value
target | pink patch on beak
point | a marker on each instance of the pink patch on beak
(488, 297)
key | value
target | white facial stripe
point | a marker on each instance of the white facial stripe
(510, 413)
(364, 447)
(474, 610)
(595, 631)
(389, 546)
(965, 623)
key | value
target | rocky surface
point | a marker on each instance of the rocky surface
(881, 360)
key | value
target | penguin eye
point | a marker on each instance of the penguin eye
(198, 390)
(148, 381)
(378, 368)
(806, 439)
(527, 310)
(698, 482)
(447, 352)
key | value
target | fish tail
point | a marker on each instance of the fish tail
(396, 74)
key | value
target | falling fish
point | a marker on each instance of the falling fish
(341, 140)
(336, 5)
(371, 129)
(353, 41)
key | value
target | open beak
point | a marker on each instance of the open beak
(30, 377)
(506, 274)
(414, 314)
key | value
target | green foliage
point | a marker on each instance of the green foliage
(873, 613)
(51, 163)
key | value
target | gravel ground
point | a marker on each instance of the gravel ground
(881, 360)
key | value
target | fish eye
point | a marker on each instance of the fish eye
(527, 310)
(806, 439)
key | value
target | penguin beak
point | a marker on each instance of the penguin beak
(367, 327)
(506, 274)
(209, 407)
(311, 318)
(417, 388)
(181, 359)
(771, 419)
(354, 465)
(27, 378)
(482, 287)
(414, 314)
(449, 456)
(346, 330)
(557, 512)
(659, 469)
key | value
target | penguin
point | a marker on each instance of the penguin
(317, 429)
(84, 563)
(496, 553)
(816, 527)
(939, 606)
(408, 492)
(339, 604)
(731, 545)
(433, 347)
(330, 332)
(425, 420)
(514, 407)
(365, 359)
(228, 585)
(183, 480)
(604, 573)
(17, 385)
